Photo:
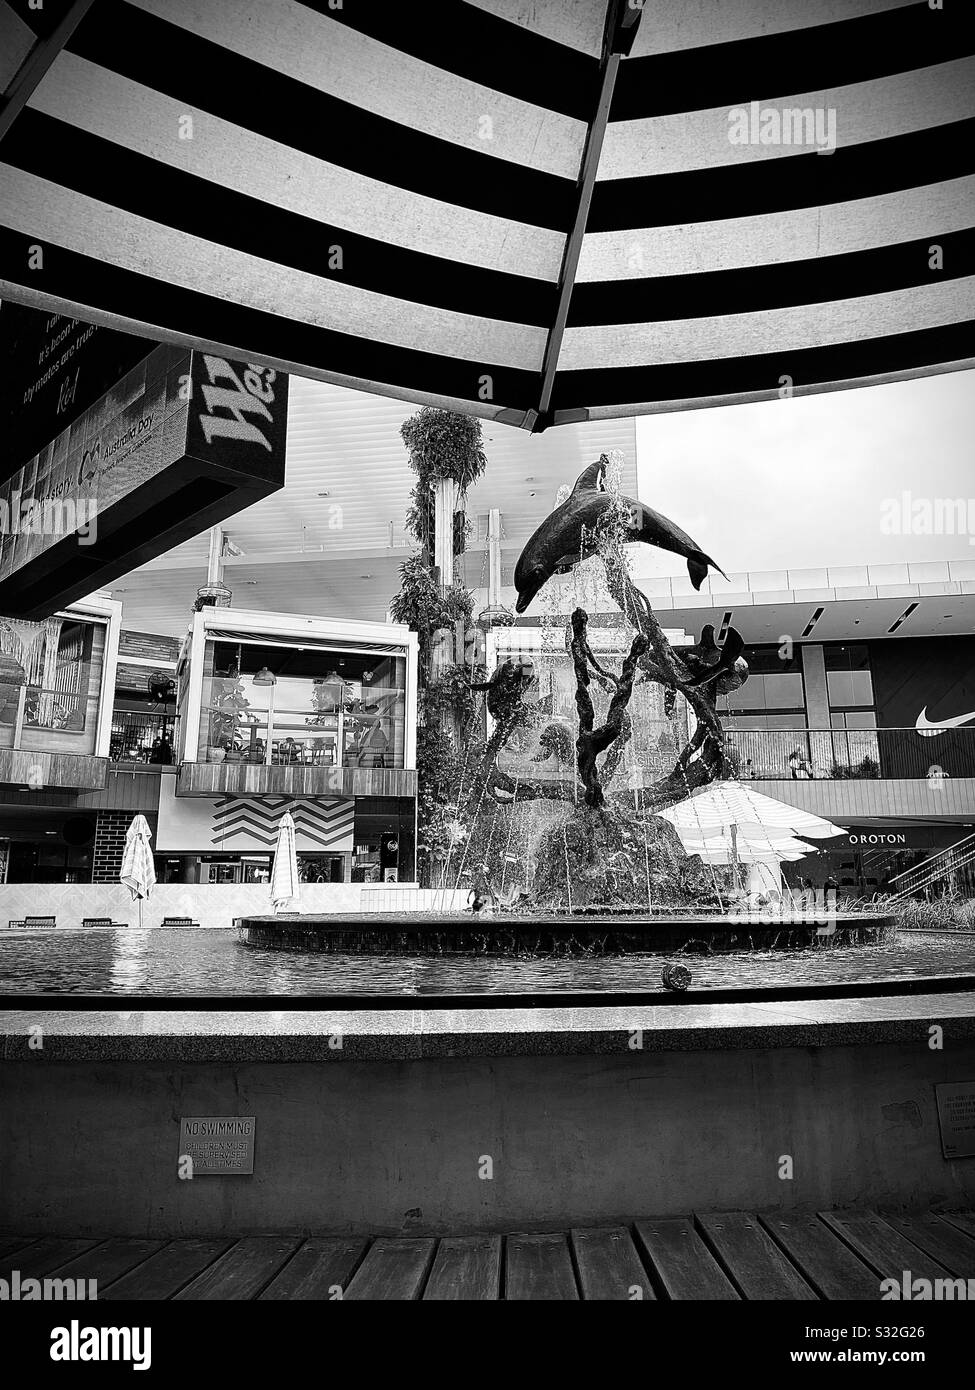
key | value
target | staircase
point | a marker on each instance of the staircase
(938, 868)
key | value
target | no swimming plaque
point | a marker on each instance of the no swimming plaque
(218, 1143)
(956, 1112)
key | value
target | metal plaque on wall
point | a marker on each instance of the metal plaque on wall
(217, 1144)
(956, 1113)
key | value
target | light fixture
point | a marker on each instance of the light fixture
(265, 677)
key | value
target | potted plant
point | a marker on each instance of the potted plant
(229, 707)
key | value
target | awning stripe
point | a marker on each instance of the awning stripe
(449, 153)
(90, 227)
(795, 328)
(88, 98)
(837, 229)
(815, 57)
(802, 181)
(763, 287)
(97, 169)
(360, 71)
(760, 375)
(494, 52)
(170, 60)
(167, 308)
(863, 114)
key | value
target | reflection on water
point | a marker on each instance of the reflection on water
(154, 960)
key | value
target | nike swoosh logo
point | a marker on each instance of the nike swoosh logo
(929, 728)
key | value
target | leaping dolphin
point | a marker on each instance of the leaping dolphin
(567, 535)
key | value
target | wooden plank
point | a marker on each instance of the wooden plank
(962, 1220)
(394, 1269)
(44, 1256)
(539, 1268)
(242, 1272)
(8, 1244)
(317, 1269)
(110, 1260)
(827, 1264)
(685, 1266)
(466, 1268)
(947, 1244)
(883, 1248)
(755, 1263)
(609, 1266)
(166, 1272)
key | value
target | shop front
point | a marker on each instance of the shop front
(867, 859)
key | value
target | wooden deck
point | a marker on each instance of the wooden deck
(728, 1256)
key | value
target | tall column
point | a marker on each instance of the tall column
(445, 503)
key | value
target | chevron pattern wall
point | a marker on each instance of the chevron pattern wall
(247, 823)
(198, 825)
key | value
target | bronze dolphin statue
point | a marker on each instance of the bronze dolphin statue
(559, 544)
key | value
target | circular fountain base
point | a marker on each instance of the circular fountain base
(437, 934)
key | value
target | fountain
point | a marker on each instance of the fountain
(590, 728)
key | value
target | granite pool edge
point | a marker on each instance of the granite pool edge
(196, 1037)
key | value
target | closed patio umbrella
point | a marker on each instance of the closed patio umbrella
(138, 870)
(284, 876)
(539, 214)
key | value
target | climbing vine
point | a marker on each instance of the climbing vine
(441, 445)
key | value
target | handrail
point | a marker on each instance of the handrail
(925, 863)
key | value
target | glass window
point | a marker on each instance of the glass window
(848, 677)
(290, 705)
(774, 683)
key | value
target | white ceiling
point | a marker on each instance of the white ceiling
(339, 554)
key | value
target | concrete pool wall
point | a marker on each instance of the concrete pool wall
(479, 1122)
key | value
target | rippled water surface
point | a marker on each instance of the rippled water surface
(154, 960)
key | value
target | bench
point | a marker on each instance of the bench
(179, 922)
(31, 922)
(100, 922)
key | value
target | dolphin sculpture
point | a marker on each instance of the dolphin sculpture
(567, 534)
(706, 661)
(509, 679)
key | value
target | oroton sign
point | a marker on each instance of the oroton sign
(891, 837)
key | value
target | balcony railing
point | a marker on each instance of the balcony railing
(843, 754)
(370, 737)
(139, 737)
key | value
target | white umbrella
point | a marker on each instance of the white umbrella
(725, 805)
(138, 870)
(284, 877)
(731, 823)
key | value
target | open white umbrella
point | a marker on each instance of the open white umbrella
(731, 823)
(138, 870)
(284, 876)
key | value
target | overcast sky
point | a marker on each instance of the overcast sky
(801, 483)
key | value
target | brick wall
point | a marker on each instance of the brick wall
(110, 829)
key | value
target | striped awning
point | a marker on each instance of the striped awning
(535, 212)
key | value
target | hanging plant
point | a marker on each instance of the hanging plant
(441, 444)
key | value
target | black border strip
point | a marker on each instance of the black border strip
(206, 77)
(751, 289)
(806, 180)
(809, 59)
(555, 999)
(145, 187)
